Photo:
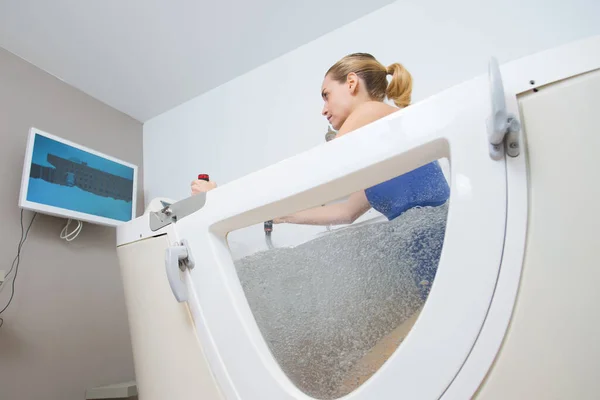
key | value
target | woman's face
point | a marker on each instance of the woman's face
(338, 101)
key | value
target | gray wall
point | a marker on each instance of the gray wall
(66, 329)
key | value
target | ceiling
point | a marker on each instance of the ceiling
(144, 57)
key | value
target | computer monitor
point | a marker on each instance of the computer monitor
(68, 180)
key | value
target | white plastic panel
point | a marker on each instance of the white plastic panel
(450, 125)
(519, 77)
(169, 363)
(551, 350)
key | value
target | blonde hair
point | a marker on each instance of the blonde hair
(374, 74)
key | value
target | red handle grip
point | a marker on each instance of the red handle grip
(203, 177)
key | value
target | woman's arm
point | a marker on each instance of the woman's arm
(332, 214)
(348, 211)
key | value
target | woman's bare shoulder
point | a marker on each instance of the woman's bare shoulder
(366, 113)
(378, 109)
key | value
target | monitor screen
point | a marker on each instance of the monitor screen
(65, 179)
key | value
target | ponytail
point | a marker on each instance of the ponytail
(400, 87)
(374, 74)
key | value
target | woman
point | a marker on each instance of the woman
(354, 90)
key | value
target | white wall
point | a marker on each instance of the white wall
(273, 112)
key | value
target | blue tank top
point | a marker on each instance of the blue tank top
(424, 186)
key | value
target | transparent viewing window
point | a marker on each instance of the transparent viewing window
(334, 306)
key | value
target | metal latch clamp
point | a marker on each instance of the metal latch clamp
(502, 126)
(178, 258)
(172, 213)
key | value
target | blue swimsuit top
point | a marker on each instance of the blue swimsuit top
(424, 186)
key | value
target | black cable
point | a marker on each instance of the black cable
(23, 239)
(18, 261)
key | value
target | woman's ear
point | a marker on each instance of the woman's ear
(352, 82)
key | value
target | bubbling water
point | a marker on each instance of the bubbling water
(323, 305)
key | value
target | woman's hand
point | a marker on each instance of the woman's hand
(202, 186)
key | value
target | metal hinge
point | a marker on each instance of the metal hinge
(178, 258)
(502, 127)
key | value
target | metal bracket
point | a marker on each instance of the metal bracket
(178, 258)
(502, 127)
(172, 213)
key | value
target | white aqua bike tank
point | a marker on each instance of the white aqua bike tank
(511, 313)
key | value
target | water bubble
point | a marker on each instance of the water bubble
(323, 305)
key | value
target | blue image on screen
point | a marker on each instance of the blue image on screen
(67, 177)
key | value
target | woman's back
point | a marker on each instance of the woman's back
(421, 187)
